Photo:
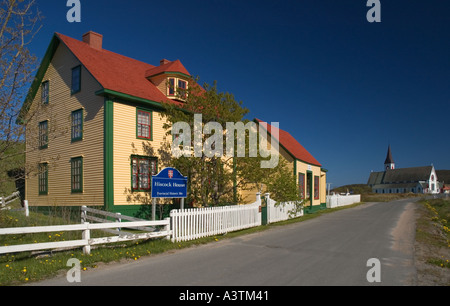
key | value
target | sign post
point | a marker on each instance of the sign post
(168, 184)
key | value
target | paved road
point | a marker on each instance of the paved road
(330, 250)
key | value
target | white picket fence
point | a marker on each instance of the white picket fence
(191, 224)
(277, 212)
(195, 223)
(338, 200)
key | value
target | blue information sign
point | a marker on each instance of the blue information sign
(169, 183)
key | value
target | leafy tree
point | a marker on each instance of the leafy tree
(214, 179)
(211, 176)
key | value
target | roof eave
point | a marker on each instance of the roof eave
(115, 94)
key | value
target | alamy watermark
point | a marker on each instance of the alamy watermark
(374, 14)
(74, 13)
(374, 273)
(213, 146)
(74, 274)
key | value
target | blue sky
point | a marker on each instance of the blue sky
(343, 87)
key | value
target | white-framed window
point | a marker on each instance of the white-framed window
(177, 88)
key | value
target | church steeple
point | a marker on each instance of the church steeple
(389, 162)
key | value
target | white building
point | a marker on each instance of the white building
(404, 180)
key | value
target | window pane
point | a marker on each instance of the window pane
(316, 187)
(77, 174)
(144, 118)
(43, 179)
(143, 174)
(142, 168)
(171, 87)
(153, 167)
(144, 124)
(76, 79)
(43, 134)
(45, 92)
(301, 184)
(77, 125)
(135, 173)
(181, 84)
(182, 88)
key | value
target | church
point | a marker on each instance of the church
(404, 180)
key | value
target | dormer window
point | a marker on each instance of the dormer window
(171, 78)
(182, 86)
(177, 88)
(171, 87)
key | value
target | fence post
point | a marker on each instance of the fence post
(173, 216)
(119, 220)
(167, 228)
(25, 206)
(153, 209)
(265, 209)
(83, 214)
(258, 198)
(86, 235)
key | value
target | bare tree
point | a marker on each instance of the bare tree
(19, 23)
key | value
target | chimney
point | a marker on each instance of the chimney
(163, 62)
(94, 40)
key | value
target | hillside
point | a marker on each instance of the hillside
(353, 188)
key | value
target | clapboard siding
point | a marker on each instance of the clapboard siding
(248, 195)
(126, 144)
(60, 148)
(316, 171)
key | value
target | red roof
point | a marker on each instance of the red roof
(293, 146)
(175, 66)
(120, 73)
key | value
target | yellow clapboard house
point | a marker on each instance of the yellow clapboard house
(309, 174)
(94, 131)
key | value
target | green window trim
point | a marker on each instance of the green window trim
(141, 178)
(76, 80)
(43, 135)
(76, 174)
(144, 126)
(43, 179)
(77, 123)
(45, 92)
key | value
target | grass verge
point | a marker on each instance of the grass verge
(433, 242)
